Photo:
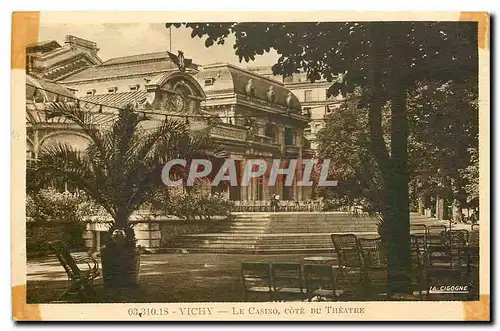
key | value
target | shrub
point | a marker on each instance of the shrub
(54, 215)
(192, 205)
(54, 206)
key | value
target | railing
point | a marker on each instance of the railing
(292, 149)
(283, 206)
(265, 140)
(231, 132)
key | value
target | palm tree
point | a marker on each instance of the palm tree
(121, 167)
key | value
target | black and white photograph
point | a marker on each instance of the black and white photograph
(295, 169)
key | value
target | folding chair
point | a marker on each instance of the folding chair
(79, 281)
(256, 278)
(287, 281)
(320, 282)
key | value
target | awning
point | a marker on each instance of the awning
(37, 88)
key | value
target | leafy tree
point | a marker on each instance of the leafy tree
(443, 135)
(345, 142)
(471, 175)
(121, 167)
(444, 128)
(386, 59)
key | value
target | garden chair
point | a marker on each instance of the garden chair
(458, 241)
(237, 206)
(473, 239)
(435, 235)
(245, 206)
(256, 205)
(350, 262)
(320, 282)
(448, 263)
(420, 232)
(256, 278)
(418, 265)
(287, 281)
(284, 206)
(266, 205)
(79, 281)
(374, 270)
(473, 261)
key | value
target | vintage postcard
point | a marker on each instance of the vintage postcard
(250, 166)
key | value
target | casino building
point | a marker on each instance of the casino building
(258, 117)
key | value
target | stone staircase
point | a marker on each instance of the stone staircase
(279, 233)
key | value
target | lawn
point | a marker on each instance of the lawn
(167, 278)
(164, 278)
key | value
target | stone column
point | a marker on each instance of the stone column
(300, 143)
(36, 143)
(280, 137)
(243, 189)
(439, 208)
(97, 240)
(421, 210)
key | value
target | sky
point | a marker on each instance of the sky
(115, 40)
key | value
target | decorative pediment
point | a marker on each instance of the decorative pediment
(176, 92)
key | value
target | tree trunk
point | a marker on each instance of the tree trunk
(395, 230)
(398, 202)
(398, 213)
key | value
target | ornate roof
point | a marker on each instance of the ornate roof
(42, 46)
(136, 58)
(228, 78)
(117, 99)
(150, 63)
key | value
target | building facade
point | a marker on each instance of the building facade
(51, 61)
(259, 118)
(312, 96)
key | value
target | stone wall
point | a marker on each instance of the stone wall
(173, 229)
(155, 234)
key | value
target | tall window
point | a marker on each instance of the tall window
(308, 95)
(289, 136)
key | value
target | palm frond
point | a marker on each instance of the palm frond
(121, 167)
(86, 120)
(64, 162)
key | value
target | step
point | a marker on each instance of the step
(248, 251)
(248, 227)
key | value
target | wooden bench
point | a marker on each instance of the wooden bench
(79, 281)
